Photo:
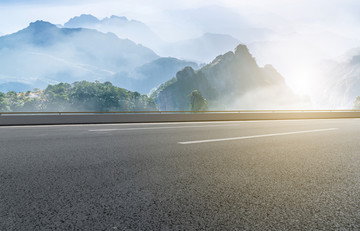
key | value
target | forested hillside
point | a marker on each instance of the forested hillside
(79, 96)
(231, 81)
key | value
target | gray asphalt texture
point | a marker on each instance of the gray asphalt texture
(72, 178)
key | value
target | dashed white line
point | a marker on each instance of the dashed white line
(256, 136)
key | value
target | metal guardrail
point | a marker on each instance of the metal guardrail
(172, 112)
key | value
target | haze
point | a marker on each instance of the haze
(296, 37)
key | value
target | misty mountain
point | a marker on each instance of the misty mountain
(121, 26)
(220, 20)
(93, 48)
(202, 49)
(82, 21)
(343, 81)
(150, 75)
(20, 87)
(43, 54)
(230, 81)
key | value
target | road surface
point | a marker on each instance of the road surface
(251, 175)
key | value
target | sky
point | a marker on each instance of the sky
(282, 16)
(333, 15)
(293, 35)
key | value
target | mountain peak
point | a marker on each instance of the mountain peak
(42, 33)
(242, 50)
(41, 25)
(79, 21)
(119, 17)
(243, 56)
(185, 73)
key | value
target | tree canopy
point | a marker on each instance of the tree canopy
(197, 101)
(79, 96)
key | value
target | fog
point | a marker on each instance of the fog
(301, 39)
(270, 98)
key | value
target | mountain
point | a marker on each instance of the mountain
(82, 21)
(44, 53)
(202, 49)
(150, 75)
(91, 46)
(343, 81)
(20, 87)
(217, 19)
(230, 81)
(121, 26)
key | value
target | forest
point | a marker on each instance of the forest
(78, 96)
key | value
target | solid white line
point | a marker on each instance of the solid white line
(256, 136)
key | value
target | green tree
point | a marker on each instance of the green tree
(4, 104)
(33, 104)
(197, 101)
(15, 102)
(79, 96)
(56, 97)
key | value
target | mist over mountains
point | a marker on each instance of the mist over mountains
(230, 81)
(43, 54)
(129, 54)
(150, 75)
(343, 81)
(201, 49)
(133, 30)
(217, 19)
(204, 48)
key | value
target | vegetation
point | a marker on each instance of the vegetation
(197, 101)
(173, 95)
(79, 96)
(225, 83)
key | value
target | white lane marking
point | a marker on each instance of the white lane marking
(256, 136)
(158, 128)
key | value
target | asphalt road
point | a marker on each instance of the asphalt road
(265, 175)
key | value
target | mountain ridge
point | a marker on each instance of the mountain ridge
(231, 81)
(202, 49)
(121, 26)
(48, 54)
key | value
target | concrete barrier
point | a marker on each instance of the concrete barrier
(179, 117)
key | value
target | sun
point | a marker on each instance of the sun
(304, 82)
